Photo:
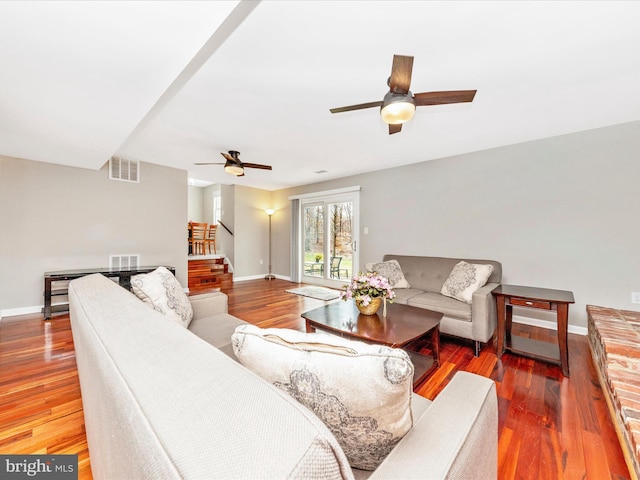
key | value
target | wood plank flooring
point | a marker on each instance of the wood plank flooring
(550, 427)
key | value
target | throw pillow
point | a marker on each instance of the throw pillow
(464, 279)
(361, 392)
(162, 291)
(391, 271)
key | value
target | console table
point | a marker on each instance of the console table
(52, 278)
(508, 296)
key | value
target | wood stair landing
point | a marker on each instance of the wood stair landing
(208, 273)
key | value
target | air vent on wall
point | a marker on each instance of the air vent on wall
(117, 262)
(123, 169)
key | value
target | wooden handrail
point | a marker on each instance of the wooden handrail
(225, 227)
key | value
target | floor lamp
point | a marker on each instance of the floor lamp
(270, 276)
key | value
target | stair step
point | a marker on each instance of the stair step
(208, 261)
(208, 273)
(211, 281)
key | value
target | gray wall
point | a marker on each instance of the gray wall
(243, 211)
(251, 232)
(225, 241)
(558, 213)
(54, 217)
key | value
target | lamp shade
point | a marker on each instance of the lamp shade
(270, 211)
(397, 108)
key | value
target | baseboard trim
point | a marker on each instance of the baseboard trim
(534, 322)
(258, 277)
(12, 312)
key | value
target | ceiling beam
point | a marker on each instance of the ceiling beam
(222, 33)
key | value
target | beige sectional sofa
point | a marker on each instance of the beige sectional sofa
(426, 276)
(164, 401)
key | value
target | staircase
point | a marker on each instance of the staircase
(208, 273)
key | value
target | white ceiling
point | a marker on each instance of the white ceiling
(175, 83)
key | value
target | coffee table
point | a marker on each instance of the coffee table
(404, 327)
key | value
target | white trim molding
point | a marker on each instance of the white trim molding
(534, 322)
(12, 312)
(258, 277)
(337, 191)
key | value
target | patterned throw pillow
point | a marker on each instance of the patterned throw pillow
(391, 271)
(464, 279)
(361, 392)
(161, 290)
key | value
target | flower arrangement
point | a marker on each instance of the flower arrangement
(318, 257)
(364, 287)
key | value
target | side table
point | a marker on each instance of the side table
(508, 296)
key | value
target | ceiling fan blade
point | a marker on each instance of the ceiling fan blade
(217, 163)
(394, 128)
(401, 69)
(360, 106)
(257, 165)
(229, 158)
(440, 98)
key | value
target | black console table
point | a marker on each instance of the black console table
(51, 278)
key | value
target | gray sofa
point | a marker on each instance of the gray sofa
(426, 275)
(163, 401)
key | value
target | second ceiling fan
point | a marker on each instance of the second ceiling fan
(399, 104)
(234, 165)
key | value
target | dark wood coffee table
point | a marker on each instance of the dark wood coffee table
(404, 327)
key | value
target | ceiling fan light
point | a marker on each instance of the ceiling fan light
(236, 170)
(397, 108)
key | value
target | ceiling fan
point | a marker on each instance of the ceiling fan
(399, 104)
(234, 166)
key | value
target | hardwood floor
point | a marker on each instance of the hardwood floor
(550, 426)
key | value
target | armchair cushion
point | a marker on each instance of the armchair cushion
(361, 392)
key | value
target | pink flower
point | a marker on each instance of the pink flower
(366, 286)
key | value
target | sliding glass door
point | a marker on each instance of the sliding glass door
(329, 228)
(313, 240)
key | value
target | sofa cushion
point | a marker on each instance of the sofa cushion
(391, 271)
(361, 392)
(448, 306)
(217, 330)
(162, 291)
(403, 295)
(466, 278)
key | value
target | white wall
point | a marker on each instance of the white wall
(207, 201)
(558, 213)
(195, 204)
(54, 217)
